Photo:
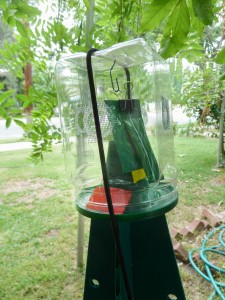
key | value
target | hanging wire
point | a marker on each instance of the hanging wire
(111, 78)
(114, 222)
(117, 89)
(128, 85)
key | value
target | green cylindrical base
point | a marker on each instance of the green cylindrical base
(155, 211)
(144, 210)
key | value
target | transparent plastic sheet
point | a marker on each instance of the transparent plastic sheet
(137, 134)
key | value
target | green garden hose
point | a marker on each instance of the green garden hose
(211, 270)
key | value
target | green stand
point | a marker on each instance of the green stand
(150, 262)
(146, 245)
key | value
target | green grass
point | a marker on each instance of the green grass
(13, 140)
(200, 184)
(38, 221)
(199, 181)
(38, 233)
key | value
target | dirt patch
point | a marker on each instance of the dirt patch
(176, 216)
(30, 207)
(220, 180)
(24, 185)
(32, 189)
(201, 191)
(52, 233)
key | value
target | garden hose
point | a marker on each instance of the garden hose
(211, 270)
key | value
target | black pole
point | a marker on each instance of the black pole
(114, 222)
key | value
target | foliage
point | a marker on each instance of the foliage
(175, 24)
(202, 81)
(42, 95)
(194, 130)
(202, 94)
(180, 19)
(6, 33)
(125, 17)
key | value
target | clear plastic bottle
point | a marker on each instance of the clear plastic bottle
(133, 97)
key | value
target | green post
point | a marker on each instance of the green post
(149, 257)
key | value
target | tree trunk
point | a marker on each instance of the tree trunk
(221, 150)
(28, 83)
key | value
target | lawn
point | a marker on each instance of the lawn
(38, 221)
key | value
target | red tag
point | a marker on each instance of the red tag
(120, 199)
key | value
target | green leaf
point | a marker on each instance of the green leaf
(203, 11)
(156, 12)
(87, 4)
(6, 14)
(2, 85)
(3, 113)
(220, 58)
(6, 95)
(3, 4)
(11, 21)
(22, 97)
(21, 28)
(19, 123)
(197, 26)
(196, 46)
(29, 10)
(102, 22)
(10, 102)
(27, 103)
(37, 32)
(191, 54)
(8, 122)
(16, 112)
(10, 49)
(5, 54)
(221, 77)
(20, 15)
(176, 30)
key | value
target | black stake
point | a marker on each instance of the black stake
(114, 222)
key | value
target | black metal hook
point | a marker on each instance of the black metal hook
(128, 85)
(117, 83)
